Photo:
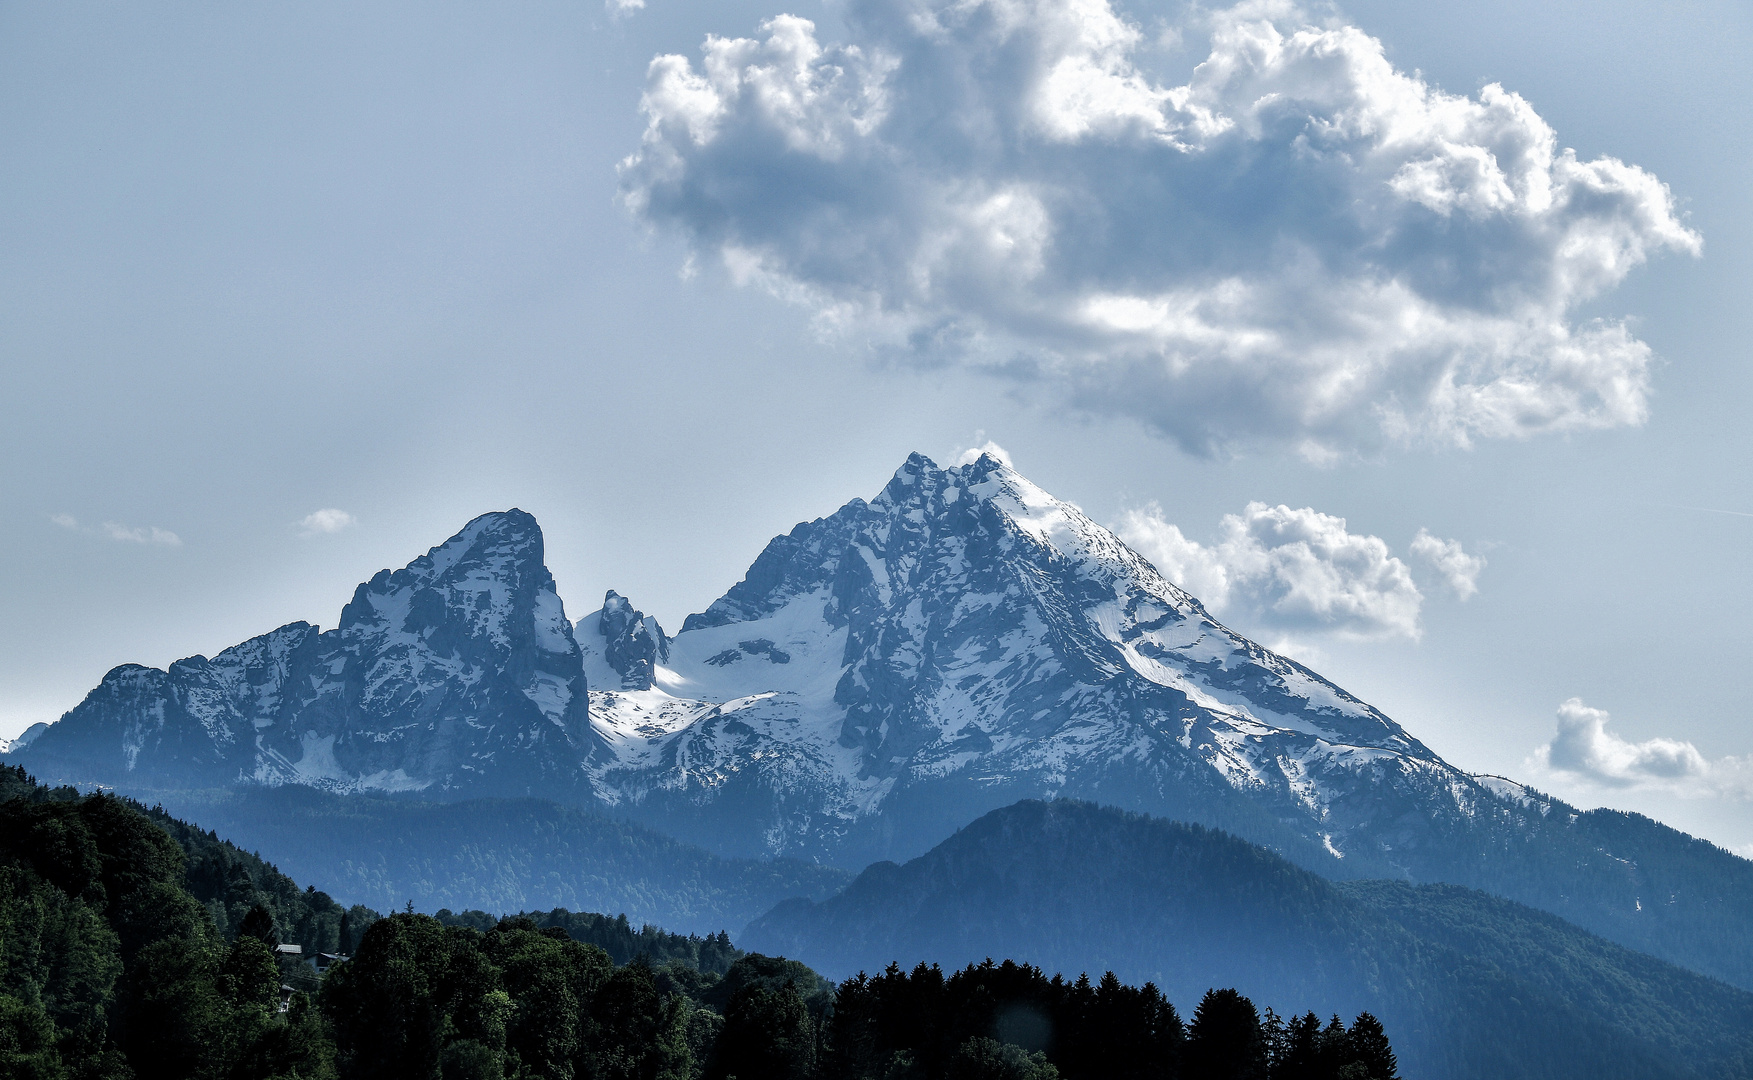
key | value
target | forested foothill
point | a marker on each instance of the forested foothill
(134, 946)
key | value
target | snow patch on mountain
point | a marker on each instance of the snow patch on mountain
(880, 675)
(966, 631)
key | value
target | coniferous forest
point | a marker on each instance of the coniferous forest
(133, 945)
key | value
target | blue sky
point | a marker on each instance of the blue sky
(1391, 381)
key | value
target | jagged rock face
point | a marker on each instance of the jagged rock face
(457, 673)
(622, 645)
(880, 677)
(963, 640)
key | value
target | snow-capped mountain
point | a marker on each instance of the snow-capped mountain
(458, 673)
(963, 640)
(880, 677)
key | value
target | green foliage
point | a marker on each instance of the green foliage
(767, 1033)
(109, 967)
(232, 884)
(712, 953)
(1011, 1020)
(638, 1033)
(28, 1042)
(136, 947)
(989, 1059)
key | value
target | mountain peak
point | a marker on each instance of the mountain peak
(458, 671)
(506, 531)
(477, 576)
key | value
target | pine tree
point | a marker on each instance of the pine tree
(1332, 1049)
(1369, 1045)
(1224, 1041)
(259, 924)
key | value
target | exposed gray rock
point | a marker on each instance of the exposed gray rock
(457, 673)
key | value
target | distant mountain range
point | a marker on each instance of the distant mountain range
(1468, 985)
(879, 678)
(498, 855)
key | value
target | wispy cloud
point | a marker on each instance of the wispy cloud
(1284, 570)
(1583, 749)
(326, 520)
(127, 534)
(1292, 242)
(141, 534)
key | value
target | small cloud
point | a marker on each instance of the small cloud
(1299, 649)
(623, 7)
(327, 520)
(982, 445)
(141, 534)
(1286, 570)
(1458, 569)
(115, 530)
(1584, 749)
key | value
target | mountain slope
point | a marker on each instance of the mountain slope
(1684, 1014)
(965, 639)
(1076, 888)
(498, 855)
(457, 674)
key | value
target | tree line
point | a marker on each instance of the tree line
(136, 947)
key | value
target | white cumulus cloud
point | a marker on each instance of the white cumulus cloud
(1584, 749)
(326, 520)
(1459, 570)
(1291, 241)
(1286, 570)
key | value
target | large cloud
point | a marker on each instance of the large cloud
(1292, 241)
(1288, 571)
(1584, 749)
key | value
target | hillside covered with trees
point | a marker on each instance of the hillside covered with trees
(134, 946)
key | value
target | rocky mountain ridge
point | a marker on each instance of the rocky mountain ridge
(963, 640)
(880, 675)
(879, 678)
(457, 673)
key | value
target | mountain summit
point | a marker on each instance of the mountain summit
(456, 673)
(964, 640)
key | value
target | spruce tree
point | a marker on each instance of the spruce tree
(1224, 1042)
(1369, 1045)
(259, 924)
